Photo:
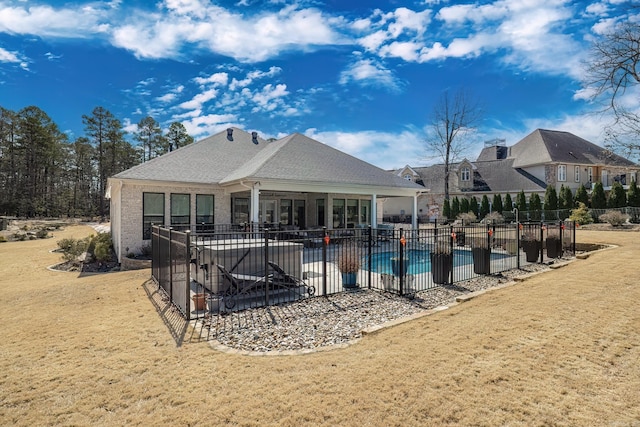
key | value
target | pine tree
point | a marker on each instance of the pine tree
(581, 196)
(473, 205)
(617, 196)
(446, 209)
(484, 206)
(535, 204)
(455, 207)
(177, 136)
(508, 203)
(464, 205)
(496, 206)
(550, 198)
(598, 199)
(633, 195)
(521, 201)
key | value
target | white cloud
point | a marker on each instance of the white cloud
(383, 149)
(44, 20)
(368, 72)
(198, 100)
(269, 98)
(209, 124)
(244, 38)
(216, 79)
(7, 56)
(171, 96)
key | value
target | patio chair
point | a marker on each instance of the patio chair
(239, 284)
(285, 279)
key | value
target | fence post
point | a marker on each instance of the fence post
(187, 261)
(453, 257)
(518, 245)
(401, 261)
(370, 255)
(171, 265)
(325, 243)
(574, 237)
(266, 266)
(542, 243)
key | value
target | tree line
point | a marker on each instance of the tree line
(553, 200)
(45, 174)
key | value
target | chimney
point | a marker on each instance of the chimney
(254, 137)
(230, 134)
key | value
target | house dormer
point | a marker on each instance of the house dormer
(465, 175)
(408, 173)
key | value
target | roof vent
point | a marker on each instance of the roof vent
(254, 137)
(230, 134)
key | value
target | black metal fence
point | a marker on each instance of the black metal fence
(225, 269)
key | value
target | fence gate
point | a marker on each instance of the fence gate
(170, 265)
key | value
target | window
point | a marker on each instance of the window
(285, 212)
(465, 174)
(590, 173)
(338, 213)
(180, 209)
(365, 211)
(408, 177)
(605, 178)
(204, 208)
(299, 214)
(240, 210)
(320, 212)
(632, 177)
(352, 212)
(577, 173)
(152, 212)
(562, 172)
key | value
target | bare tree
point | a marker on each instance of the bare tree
(453, 119)
(612, 69)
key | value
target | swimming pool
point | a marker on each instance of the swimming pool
(418, 261)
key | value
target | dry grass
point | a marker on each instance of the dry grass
(561, 348)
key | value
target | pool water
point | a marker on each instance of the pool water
(418, 261)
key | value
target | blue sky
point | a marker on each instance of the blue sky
(362, 76)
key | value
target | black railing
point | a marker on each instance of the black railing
(228, 270)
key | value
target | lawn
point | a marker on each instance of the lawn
(561, 348)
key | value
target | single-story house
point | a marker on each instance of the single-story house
(236, 177)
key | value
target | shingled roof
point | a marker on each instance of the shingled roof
(219, 160)
(551, 146)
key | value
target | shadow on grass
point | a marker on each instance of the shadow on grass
(169, 314)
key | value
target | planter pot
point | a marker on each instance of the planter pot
(349, 280)
(532, 249)
(200, 301)
(395, 266)
(554, 247)
(481, 260)
(441, 266)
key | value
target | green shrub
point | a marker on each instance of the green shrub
(581, 215)
(42, 233)
(103, 246)
(72, 248)
(3, 239)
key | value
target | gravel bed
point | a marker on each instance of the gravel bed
(336, 319)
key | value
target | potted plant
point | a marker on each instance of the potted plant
(349, 264)
(481, 255)
(441, 262)
(199, 301)
(531, 246)
(554, 244)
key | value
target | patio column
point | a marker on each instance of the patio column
(255, 202)
(414, 216)
(374, 211)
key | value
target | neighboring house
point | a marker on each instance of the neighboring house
(235, 177)
(543, 158)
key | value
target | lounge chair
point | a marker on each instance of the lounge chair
(238, 284)
(283, 278)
